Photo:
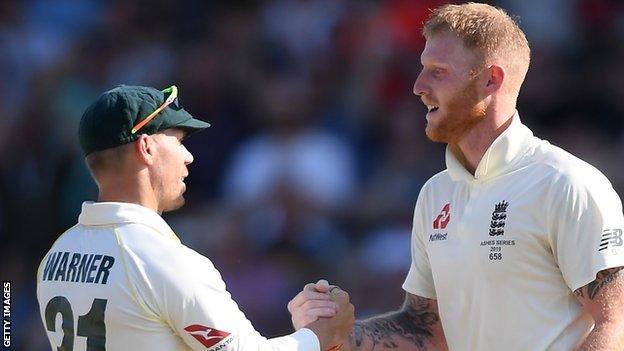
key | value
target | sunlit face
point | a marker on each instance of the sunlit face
(448, 87)
(170, 169)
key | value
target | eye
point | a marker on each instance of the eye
(437, 72)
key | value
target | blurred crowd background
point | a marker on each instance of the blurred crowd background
(317, 149)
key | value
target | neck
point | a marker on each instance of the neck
(471, 147)
(130, 192)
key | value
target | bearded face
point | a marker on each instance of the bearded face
(455, 115)
(449, 88)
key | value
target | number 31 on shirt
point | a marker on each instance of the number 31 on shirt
(91, 325)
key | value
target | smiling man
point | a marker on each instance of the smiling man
(121, 279)
(518, 244)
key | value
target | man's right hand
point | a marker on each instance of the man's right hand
(334, 332)
(311, 303)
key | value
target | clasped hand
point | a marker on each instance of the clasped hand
(325, 309)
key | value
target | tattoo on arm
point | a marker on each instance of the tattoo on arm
(414, 323)
(603, 278)
(603, 299)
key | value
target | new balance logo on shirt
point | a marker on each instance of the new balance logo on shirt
(610, 238)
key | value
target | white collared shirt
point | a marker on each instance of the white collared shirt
(502, 251)
(121, 279)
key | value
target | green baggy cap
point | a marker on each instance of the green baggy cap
(110, 120)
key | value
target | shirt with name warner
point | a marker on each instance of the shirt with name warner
(503, 250)
(121, 280)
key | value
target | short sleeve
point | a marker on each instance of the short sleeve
(419, 280)
(586, 223)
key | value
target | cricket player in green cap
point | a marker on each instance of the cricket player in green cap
(121, 279)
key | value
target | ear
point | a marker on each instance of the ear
(495, 78)
(145, 148)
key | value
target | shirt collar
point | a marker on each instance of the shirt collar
(500, 158)
(110, 213)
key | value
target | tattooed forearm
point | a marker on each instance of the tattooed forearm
(414, 324)
(603, 278)
(603, 299)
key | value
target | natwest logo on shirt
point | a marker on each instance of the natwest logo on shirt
(443, 219)
(206, 335)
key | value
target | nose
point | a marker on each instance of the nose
(188, 156)
(419, 86)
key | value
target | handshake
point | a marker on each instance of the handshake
(325, 309)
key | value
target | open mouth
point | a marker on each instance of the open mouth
(432, 108)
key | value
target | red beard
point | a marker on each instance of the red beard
(459, 116)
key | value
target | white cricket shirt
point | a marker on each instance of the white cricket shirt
(121, 280)
(502, 251)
